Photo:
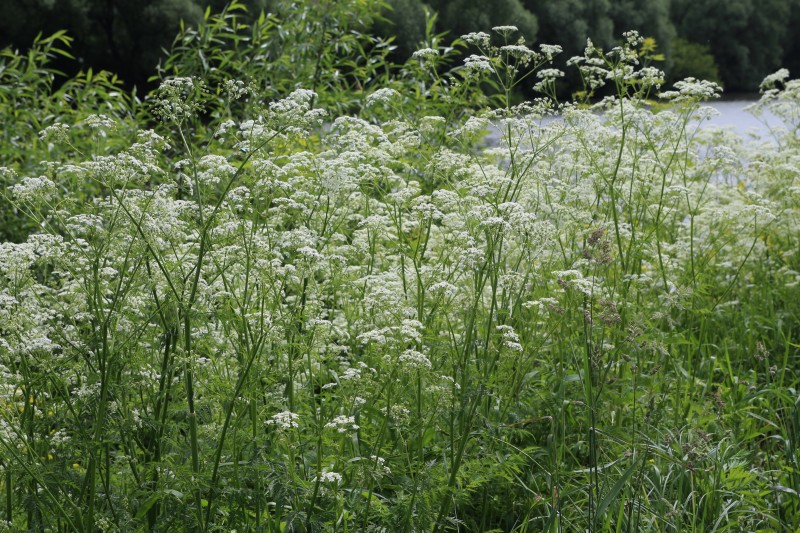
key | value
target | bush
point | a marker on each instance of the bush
(692, 60)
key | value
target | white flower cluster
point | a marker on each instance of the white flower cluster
(475, 63)
(772, 81)
(575, 280)
(340, 264)
(343, 424)
(380, 465)
(384, 96)
(505, 30)
(474, 126)
(548, 76)
(519, 51)
(34, 190)
(414, 360)
(330, 477)
(213, 169)
(692, 89)
(549, 51)
(100, 122)
(593, 69)
(427, 56)
(57, 133)
(549, 73)
(479, 39)
(176, 99)
(295, 113)
(284, 420)
(236, 89)
(510, 338)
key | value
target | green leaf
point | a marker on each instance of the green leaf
(147, 505)
(613, 493)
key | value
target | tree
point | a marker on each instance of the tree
(791, 43)
(651, 18)
(570, 22)
(745, 36)
(405, 20)
(464, 16)
(118, 35)
(692, 60)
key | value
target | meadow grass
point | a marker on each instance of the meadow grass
(232, 309)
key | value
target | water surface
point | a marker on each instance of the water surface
(733, 115)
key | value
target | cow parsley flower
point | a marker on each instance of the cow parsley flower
(773, 80)
(550, 74)
(383, 96)
(519, 51)
(510, 338)
(475, 63)
(479, 39)
(214, 168)
(425, 54)
(351, 374)
(224, 127)
(343, 424)
(236, 89)
(380, 465)
(334, 478)
(100, 122)
(175, 100)
(447, 290)
(549, 51)
(472, 127)
(284, 420)
(415, 360)
(633, 38)
(57, 133)
(34, 190)
(693, 89)
(295, 114)
(505, 30)
(495, 223)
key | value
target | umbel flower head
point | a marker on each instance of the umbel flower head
(284, 420)
(693, 89)
(176, 99)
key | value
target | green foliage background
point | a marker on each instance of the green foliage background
(746, 39)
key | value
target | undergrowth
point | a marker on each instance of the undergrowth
(294, 289)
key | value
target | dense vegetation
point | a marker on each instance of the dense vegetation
(733, 42)
(293, 289)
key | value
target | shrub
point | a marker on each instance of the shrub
(692, 60)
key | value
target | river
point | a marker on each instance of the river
(732, 115)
